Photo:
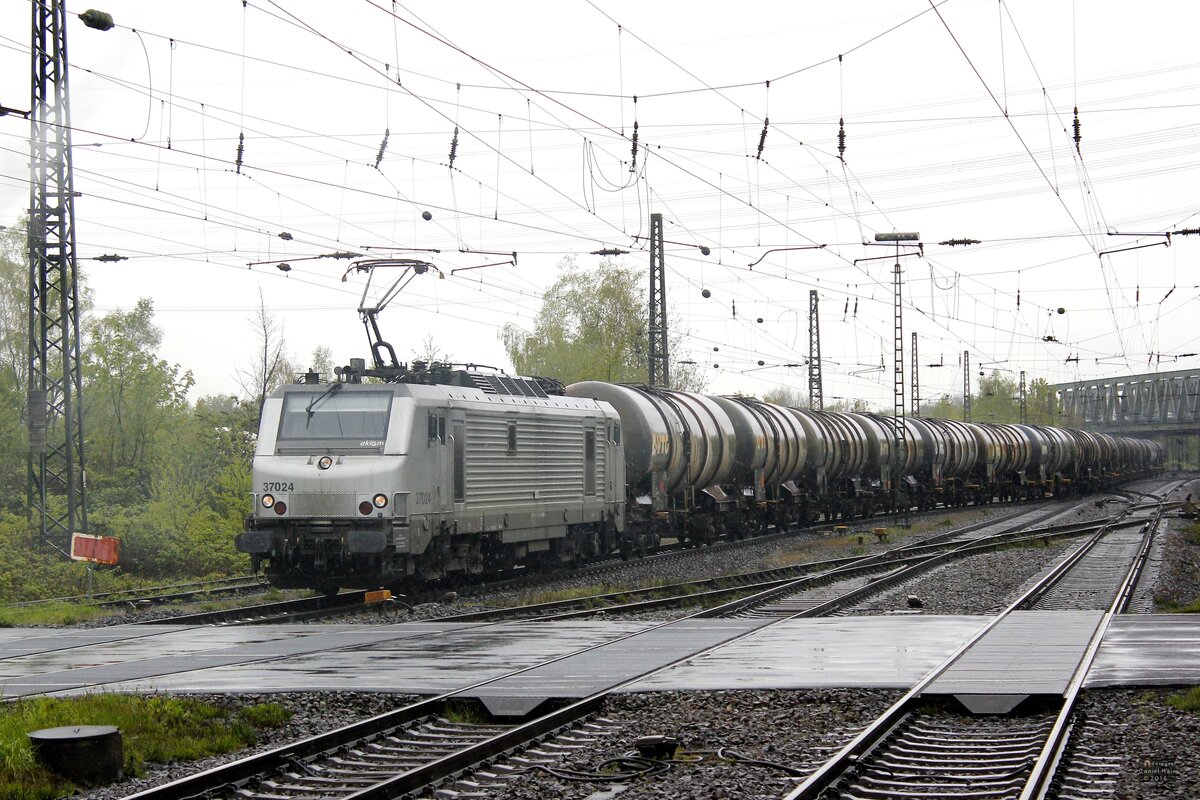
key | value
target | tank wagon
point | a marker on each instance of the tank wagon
(442, 472)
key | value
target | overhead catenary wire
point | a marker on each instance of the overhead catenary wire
(732, 238)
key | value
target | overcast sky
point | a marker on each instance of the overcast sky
(958, 124)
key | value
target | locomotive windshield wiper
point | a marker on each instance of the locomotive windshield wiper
(309, 410)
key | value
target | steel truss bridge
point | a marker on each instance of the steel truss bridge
(1164, 406)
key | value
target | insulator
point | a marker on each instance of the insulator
(733, 307)
(99, 20)
(454, 146)
(1018, 298)
(382, 146)
(633, 148)
(841, 138)
(241, 149)
(855, 314)
(762, 139)
(1078, 138)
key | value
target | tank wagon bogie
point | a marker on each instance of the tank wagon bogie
(441, 474)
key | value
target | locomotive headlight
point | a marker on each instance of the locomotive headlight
(380, 500)
(268, 500)
(281, 508)
(365, 508)
(325, 462)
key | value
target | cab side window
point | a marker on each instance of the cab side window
(437, 429)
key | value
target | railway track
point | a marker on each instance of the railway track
(156, 595)
(408, 751)
(819, 581)
(356, 602)
(302, 609)
(668, 553)
(919, 748)
(402, 751)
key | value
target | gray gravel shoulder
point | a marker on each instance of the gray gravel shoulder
(1156, 743)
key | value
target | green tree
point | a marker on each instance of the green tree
(130, 394)
(431, 351)
(999, 400)
(1042, 403)
(194, 498)
(321, 361)
(787, 396)
(591, 326)
(857, 405)
(944, 407)
(14, 358)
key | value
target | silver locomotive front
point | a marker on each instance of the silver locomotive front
(326, 476)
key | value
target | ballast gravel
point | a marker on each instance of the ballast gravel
(1155, 746)
(719, 735)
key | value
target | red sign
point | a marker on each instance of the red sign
(100, 549)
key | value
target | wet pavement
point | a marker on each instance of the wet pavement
(434, 657)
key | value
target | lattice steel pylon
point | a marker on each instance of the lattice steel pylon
(816, 399)
(1024, 410)
(55, 408)
(915, 399)
(660, 368)
(899, 455)
(966, 385)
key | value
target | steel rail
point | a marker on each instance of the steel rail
(762, 580)
(151, 594)
(206, 782)
(1044, 768)
(281, 611)
(872, 737)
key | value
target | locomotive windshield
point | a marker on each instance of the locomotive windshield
(349, 419)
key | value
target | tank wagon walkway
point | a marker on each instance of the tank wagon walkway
(435, 658)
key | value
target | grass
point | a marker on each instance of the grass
(212, 603)
(465, 713)
(533, 598)
(1174, 607)
(1186, 701)
(49, 614)
(156, 729)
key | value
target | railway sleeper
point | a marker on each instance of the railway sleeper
(979, 787)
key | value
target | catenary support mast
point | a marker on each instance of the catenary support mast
(660, 374)
(816, 398)
(55, 407)
(966, 385)
(915, 399)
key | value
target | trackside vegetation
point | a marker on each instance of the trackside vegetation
(156, 729)
(168, 473)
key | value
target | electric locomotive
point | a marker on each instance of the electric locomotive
(446, 473)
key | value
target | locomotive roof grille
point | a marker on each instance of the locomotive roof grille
(439, 374)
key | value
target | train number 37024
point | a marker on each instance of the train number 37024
(277, 486)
